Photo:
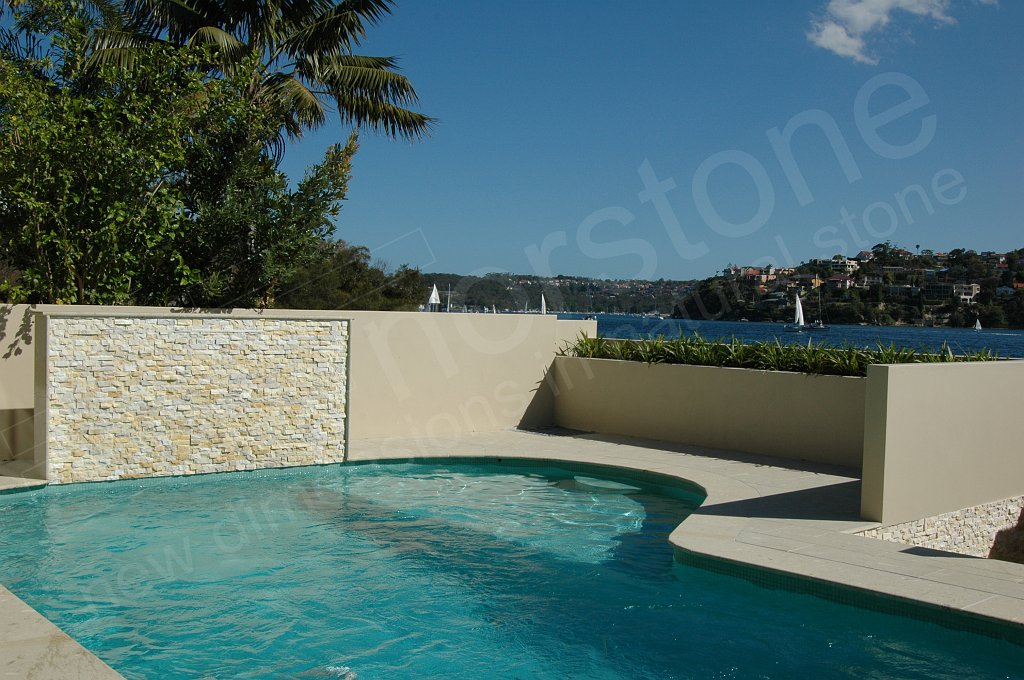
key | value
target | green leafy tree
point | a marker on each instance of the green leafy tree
(87, 196)
(245, 230)
(154, 187)
(342, 276)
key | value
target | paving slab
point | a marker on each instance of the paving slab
(31, 647)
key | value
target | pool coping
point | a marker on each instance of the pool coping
(33, 647)
(765, 519)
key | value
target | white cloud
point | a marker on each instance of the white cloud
(835, 38)
(847, 24)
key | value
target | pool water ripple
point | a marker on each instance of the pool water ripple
(414, 571)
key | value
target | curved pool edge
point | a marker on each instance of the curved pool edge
(776, 522)
(32, 647)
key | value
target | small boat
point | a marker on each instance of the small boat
(977, 325)
(799, 325)
(798, 319)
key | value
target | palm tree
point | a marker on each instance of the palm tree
(297, 56)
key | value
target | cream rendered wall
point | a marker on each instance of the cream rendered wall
(791, 415)
(16, 359)
(16, 401)
(433, 375)
(941, 437)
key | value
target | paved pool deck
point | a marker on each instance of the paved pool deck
(791, 518)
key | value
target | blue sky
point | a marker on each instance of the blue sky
(669, 139)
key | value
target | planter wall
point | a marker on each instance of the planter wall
(790, 415)
(941, 437)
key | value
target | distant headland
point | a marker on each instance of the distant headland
(887, 285)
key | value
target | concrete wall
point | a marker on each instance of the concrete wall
(791, 415)
(16, 433)
(122, 397)
(16, 399)
(433, 375)
(411, 374)
(941, 437)
(933, 438)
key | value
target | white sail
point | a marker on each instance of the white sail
(799, 319)
(435, 297)
(543, 304)
(977, 325)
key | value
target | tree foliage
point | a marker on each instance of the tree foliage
(296, 57)
(87, 197)
(160, 184)
(342, 276)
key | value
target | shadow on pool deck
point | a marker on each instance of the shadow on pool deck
(836, 502)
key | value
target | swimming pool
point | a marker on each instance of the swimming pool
(405, 570)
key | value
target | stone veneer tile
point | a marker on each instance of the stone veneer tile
(139, 397)
(970, 531)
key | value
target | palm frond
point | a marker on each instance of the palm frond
(107, 13)
(366, 77)
(179, 18)
(228, 47)
(117, 47)
(338, 28)
(293, 101)
(117, 38)
(391, 119)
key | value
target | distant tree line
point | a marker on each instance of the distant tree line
(562, 293)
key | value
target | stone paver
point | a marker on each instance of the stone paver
(31, 647)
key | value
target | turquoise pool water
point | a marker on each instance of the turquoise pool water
(413, 571)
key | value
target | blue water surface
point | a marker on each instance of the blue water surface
(1004, 342)
(418, 571)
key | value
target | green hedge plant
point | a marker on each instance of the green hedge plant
(769, 355)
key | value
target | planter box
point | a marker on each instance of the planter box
(791, 415)
(929, 438)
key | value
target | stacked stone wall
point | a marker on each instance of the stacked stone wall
(140, 397)
(970, 531)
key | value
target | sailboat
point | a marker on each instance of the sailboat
(434, 301)
(543, 304)
(798, 320)
(799, 325)
(977, 325)
(817, 325)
